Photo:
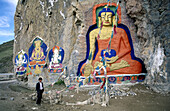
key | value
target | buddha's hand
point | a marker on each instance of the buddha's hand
(42, 57)
(97, 63)
(112, 59)
(124, 63)
(88, 69)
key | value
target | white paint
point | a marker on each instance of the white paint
(21, 51)
(52, 2)
(47, 48)
(62, 14)
(16, 36)
(116, 75)
(42, 5)
(64, 3)
(76, 51)
(157, 60)
(46, 14)
(21, 24)
(20, 27)
(37, 37)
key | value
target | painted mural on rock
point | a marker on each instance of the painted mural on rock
(56, 69)
(21, 63)
(37, 55)
(109, 44)
(30, 68)
(56, 56)
(110, 54)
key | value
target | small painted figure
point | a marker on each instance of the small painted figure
(21, 61)
(56, 56)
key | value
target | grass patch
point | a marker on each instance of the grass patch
(6, 56)
(60, 82)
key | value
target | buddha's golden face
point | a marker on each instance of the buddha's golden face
(37, 43)
(107, 18)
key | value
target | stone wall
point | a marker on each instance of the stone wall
(151, 18)
(65, 23)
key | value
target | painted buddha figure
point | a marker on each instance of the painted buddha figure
(120, 59)
(21, 61)
(56, 59)
(56, 55)
(37, 56)
(38, 53)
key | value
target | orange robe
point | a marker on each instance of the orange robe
(120, 43)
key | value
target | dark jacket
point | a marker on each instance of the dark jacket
(38, 87)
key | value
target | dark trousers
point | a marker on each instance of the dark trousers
(39, 97)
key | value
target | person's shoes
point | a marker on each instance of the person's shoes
(38, 104)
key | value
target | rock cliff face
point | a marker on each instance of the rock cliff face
(152, 22)
(65, 23)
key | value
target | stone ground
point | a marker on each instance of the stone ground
(14, 97)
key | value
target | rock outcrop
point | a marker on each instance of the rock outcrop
(65, 23)
(152, 24)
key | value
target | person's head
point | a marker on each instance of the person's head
(40, 79)
(106, 16)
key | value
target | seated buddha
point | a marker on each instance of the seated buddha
(21, 61)
(37, 56)
(120, 57)
(56, 56)
(55, 59)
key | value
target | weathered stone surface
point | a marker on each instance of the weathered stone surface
(153, 30)
(65, 23)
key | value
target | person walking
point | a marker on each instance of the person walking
(40, 90)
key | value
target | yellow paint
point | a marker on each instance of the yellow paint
(37, 70)
(20, 57)
(108, 20)
(88, 69)
(37, 55)
(37, 51)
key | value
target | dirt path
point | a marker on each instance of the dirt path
(16, 98)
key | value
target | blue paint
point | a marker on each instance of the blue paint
(110, 54)
(104, 10)
(112, 80)
(88, 47)
(43, 46)
(25, 56)
(61, 53)
(26, 60)
(125, 78)
(141, 78)
(98, 79)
